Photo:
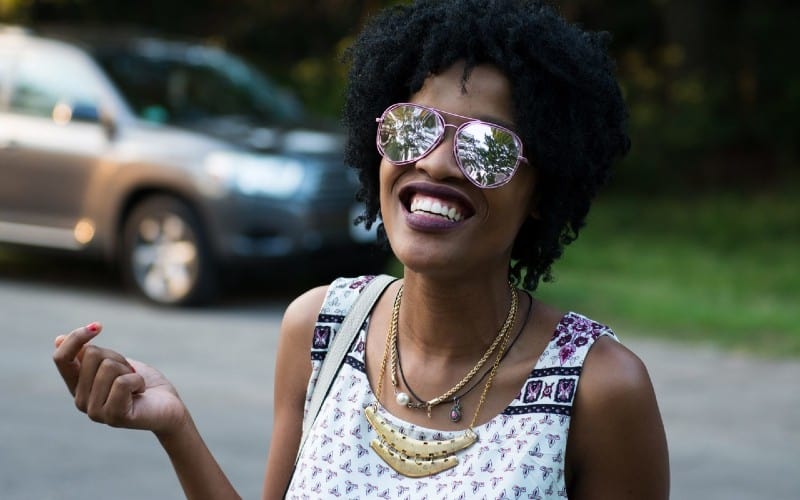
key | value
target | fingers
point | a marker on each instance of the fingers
(69, 351)
(91, 393)
(98, 369)
(119, 405)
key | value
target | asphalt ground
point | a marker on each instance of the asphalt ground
(733, 421)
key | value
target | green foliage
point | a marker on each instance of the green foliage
(720, 269)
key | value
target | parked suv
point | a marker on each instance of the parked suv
(171, 159)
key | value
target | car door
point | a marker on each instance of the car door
(51, 143)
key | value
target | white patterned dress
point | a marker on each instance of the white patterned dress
(519, 453)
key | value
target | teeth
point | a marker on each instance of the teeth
(437, 207)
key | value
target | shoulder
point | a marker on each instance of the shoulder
(321, 303)
(617, 443)
(611, 371)
(614, 381)
(302, 312)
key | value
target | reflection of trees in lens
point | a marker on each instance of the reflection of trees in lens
(488, 154)
(407, 132)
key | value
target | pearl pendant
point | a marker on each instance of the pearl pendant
(402, 398)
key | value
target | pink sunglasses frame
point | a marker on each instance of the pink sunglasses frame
(440, 120)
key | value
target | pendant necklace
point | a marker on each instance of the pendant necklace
(456, 411)
(404, 399)
(413, 457)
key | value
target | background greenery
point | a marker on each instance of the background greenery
(698, 236)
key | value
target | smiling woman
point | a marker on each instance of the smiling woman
(481, 132)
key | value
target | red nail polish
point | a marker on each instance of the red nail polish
(93, 327)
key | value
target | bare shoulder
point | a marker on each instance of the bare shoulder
(293, 361)
(613, 374)
(301, 314)
(292, 372)
(617, 446)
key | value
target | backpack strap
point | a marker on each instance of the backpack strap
(339, 347)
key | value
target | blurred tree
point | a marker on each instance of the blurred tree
(713, 93)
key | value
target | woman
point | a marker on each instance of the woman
(497, 122)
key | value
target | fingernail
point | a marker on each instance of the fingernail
(93, 327)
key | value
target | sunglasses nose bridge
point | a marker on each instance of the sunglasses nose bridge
(439, 162)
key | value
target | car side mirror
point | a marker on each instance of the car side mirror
(83, 112)
(91, 113)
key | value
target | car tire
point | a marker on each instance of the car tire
(165, 254)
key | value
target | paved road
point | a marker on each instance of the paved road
(733, 422)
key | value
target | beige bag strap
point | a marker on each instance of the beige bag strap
(339, 348)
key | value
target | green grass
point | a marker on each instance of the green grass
(723, 269)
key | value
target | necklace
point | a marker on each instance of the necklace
(402, 398)
(456, 410)
(413, 457)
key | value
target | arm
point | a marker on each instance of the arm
(125, 393)
(616, 448)
(292, 372)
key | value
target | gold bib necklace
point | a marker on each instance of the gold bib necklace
(417, 458)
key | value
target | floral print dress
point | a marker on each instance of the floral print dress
(519, 453)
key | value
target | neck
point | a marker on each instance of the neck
(452, 318)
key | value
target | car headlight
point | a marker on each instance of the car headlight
(255, 175)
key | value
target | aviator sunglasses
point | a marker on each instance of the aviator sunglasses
(486, 153)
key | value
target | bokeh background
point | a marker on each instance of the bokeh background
(697, 237)
(695, 243)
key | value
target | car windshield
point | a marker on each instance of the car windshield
(183, 84)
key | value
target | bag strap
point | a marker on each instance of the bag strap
(339, 348)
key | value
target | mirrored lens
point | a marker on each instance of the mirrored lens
(408, 132)
(488, 154)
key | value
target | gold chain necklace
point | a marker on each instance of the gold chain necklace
(413, 457)
(403, 398)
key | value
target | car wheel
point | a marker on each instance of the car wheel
(165, 255)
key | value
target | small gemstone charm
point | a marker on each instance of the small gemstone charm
(455, 411)
(402, 399)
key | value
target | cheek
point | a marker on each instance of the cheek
(387, 177)
(517, 204)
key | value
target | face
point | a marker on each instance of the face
(438, 221)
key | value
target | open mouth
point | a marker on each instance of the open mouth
(431, 201)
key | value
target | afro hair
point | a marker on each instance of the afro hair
(568, 107)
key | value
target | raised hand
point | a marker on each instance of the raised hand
(114, 390)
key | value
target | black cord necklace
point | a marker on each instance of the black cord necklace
(455, 411)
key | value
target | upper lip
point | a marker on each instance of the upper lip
(441, 191)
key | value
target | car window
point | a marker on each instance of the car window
(182, 85)
(47, 77)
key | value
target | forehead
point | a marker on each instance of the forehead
(486, 94)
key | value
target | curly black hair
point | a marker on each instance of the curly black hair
(569, 109)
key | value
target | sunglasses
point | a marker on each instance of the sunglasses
(486, 153)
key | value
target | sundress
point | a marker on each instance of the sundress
(519, 454)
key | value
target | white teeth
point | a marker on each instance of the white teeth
(427, 205)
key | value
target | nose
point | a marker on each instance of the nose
(440, 163)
